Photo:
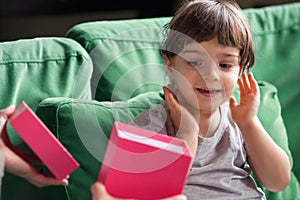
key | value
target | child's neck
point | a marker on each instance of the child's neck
(209, 123)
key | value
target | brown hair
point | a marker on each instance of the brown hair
(202, 20)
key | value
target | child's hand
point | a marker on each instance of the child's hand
(99, 193)
(269, 163)
(249, 100)
(16, 164)
(185, 124)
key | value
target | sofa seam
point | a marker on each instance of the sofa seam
(46, 59)
(272, 32)
(57, 123)
(89, 102)
(89, 42)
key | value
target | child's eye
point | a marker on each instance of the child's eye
(225, 66)
(194, 63)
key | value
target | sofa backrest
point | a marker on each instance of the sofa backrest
(32, 70)
(125, 56)
(277, 41)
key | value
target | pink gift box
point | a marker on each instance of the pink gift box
(42, 142)
(141, 164)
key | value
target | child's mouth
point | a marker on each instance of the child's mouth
(208, 92)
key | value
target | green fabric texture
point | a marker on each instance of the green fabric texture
(84, 127)
(276, 36)
(32, 70)
(271, 119)
(277, 40)
(133, 44)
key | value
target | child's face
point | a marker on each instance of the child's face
(204, 75)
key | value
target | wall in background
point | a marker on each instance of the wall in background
(21, 27)
(20, 19)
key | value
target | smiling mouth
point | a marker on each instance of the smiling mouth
(208, 92)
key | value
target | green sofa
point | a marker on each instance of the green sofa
(33, 70)
(112, 70)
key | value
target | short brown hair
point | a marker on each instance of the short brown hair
(202, 20)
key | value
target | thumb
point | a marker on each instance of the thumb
(6, 112)
(232, 102)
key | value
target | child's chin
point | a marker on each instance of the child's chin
(210, 106)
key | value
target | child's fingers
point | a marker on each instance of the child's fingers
(246, 84)
(241, 86)
(170, 97)
(245, 80)
(253, 83)
(167, 96)
(6, 112)
(172, 91)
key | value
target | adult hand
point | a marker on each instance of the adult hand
(4, 115)
(16, 164)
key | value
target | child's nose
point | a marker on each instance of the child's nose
(210, 72)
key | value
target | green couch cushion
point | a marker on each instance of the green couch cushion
(84, 127)
(119, 49)
(277, 40)
(32, 70)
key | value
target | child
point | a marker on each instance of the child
(208, 46)
(14, 164)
